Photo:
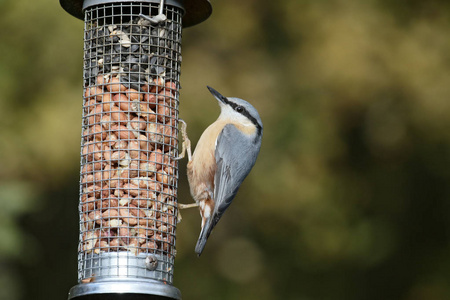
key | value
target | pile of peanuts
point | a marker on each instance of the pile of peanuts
(128, 176)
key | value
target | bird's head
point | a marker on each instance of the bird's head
(237, 110)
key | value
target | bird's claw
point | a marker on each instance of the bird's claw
(186, 144)
(184, 206)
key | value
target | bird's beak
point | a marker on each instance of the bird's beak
(217, 95)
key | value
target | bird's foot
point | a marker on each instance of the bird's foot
(184, 206)
(186, 145)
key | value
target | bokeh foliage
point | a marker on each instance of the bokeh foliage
(349, 198)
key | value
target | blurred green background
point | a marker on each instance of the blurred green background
(349, 198)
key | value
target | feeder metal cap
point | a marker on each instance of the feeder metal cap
(196, 11)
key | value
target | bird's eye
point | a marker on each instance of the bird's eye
(239, 109)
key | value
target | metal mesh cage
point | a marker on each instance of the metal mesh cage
(128, 184)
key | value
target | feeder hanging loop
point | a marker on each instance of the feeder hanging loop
(160, 17)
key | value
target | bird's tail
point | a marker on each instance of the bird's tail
(204, 234)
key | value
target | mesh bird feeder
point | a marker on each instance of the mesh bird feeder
(128, 179)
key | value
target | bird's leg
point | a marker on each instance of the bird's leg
(186, 145)
(184, 206)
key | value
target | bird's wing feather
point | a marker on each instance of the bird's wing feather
(235, 157)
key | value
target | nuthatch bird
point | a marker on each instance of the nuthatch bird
(223, 157)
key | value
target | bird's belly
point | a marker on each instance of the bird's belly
(201, 176)
(202, 168)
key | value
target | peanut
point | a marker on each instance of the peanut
(120, 145)
(132, 189)
(165, 97)
(122, 132)
(108, 203)
(162, 177)
(170, 86)
(154, 135)
(151, 99)
(93, 92)
(91, 151)
(118, 116)
(101, 245)
(134, 168)
(88, 204)
(106, 102)
(125, 200)
(107, 233)
(118, 155)
(92, 191)
(105, 121)
(146, 183)
(122, 101)
(87, 180)
(115, 182)
(124, 231)
(169, 133)
(138, 123)
(95, 115)
(114, 243)
(134, 95)
(146, 88)
(147, 168)
(95, 216)
(134, 149)
(110, 213)
(105, 192)
(90, 167)
(97, 132)
(141, 202)
(145, 144)
(151, 245)
(158, 84)
(127, 217)
(124, 174)
(102, 79)
(119, 193)
(113, 223)
(102, 175)
(115, 86)
(143, 109)
(89, 105)
(164, 112)
(170, 169)
(158, 158)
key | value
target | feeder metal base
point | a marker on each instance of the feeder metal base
(124, 289)
(108, 266)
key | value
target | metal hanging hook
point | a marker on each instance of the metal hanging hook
(160, 17)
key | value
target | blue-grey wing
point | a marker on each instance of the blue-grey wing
(235, 156)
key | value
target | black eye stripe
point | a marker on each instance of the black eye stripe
(245, 113)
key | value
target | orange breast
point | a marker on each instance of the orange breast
(202, 168)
